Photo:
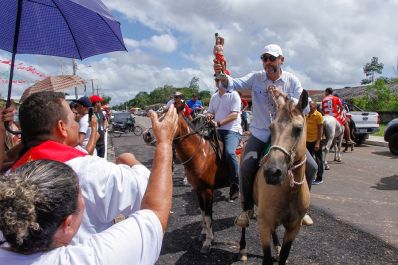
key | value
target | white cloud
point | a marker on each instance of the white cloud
(326, 43)
(164, 43)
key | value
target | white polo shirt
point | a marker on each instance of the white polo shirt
(222, 105)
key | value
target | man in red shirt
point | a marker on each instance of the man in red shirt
(331, 105)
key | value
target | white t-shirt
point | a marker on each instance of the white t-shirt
(222, 106)
(108, 190)
(85, 128)
(136, 240)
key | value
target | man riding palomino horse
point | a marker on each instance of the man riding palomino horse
(280, 189)
(263, 106)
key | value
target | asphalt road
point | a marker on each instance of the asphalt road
(355, 212)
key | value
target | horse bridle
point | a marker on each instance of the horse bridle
(290, 156)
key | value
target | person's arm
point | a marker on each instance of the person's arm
(319, 135)
(232, 116)
(94, 136)
(160, 179)
(7, 115)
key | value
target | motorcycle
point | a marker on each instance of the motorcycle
(118, 128)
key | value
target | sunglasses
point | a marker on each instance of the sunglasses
(177, 97)
(271, 58)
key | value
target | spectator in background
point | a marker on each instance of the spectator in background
(195, 104)
(244, 116)
(314, 135)
(83, 106)
(179, 97)
(102, 124)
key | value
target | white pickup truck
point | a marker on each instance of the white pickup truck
(362, 123)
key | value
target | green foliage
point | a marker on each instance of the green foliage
(370, 69)
(378, 97)
(164, 94)
(107, 99)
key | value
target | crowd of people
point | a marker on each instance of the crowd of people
(60, 196)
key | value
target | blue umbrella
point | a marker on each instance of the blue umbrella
(65, 28)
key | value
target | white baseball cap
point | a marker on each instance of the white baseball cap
(273, 49)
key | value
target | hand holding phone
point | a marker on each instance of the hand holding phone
(90, 114)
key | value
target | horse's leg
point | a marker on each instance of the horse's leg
(242, 246)
(208, 209)
(290, 235)
(339, 143)
(265, 236)
(277, 245)
(202, 212)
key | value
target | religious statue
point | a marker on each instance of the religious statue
(218, 52)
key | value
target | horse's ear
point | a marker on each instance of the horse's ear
(303, 102)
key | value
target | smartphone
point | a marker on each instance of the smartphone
(90, 114)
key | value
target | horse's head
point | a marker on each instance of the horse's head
(288, 138)
(182, 127)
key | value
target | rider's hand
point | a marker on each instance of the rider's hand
(276, 92)
(164, 130)
(209, 116)
(217, 67)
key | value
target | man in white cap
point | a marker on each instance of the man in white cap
(259, 82)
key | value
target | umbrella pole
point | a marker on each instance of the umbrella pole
(14, 51)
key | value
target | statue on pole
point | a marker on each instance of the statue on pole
(218, 52)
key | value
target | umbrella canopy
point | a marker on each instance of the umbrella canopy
(53, 83)
(65, 28)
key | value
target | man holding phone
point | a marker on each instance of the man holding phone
(85, 110)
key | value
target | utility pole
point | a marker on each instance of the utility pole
(92, 86)
(74, 67)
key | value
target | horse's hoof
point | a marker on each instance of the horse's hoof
(242, 255)
(205, 249)
(327, 167)
(338, 160)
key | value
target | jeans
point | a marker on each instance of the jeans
(254, 151)
(318, 158)
(231, 141)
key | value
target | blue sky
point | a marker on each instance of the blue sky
(325, 43)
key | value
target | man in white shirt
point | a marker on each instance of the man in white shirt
(108, 189)
(224, 112)
(263, 108)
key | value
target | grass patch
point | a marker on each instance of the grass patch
(381, 131)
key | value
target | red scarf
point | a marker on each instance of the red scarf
(49, 150)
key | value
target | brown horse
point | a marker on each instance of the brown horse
(280, 189)
(203, 169)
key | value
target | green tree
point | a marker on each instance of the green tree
(370, 69)
(378, 97)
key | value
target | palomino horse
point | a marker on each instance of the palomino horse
(203, 170)
(334, 133)
(280, 189)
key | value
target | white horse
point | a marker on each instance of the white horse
(334, 133)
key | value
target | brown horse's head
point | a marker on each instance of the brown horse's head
(288, 139)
